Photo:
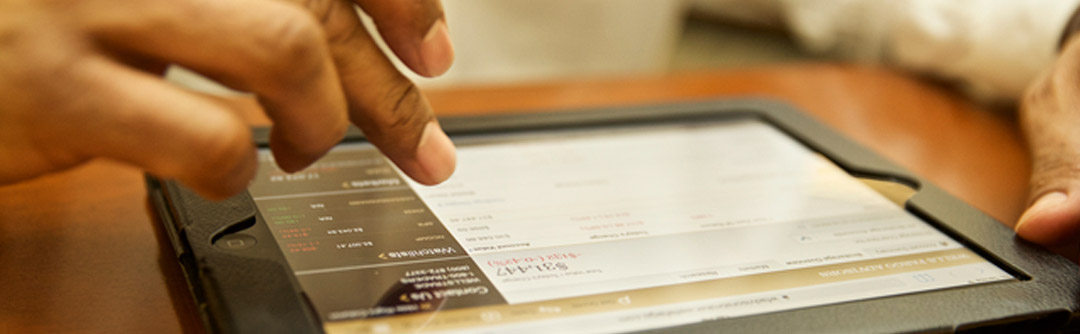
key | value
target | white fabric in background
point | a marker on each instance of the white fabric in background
(993, 47)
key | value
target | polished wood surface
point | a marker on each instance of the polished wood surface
(81, 252)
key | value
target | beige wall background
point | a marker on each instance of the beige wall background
(515, 41)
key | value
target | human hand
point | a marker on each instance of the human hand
(1050, 119)
(81, 80)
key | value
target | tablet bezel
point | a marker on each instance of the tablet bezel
(253, 290)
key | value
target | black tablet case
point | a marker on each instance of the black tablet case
(253, 290)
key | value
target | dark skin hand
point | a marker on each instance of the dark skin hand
(81, 80)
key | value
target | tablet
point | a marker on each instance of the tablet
(740, 216)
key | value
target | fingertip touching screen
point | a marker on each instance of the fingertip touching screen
(598, 230)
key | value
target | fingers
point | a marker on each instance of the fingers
(1049, 118)
(136, 118)
(272, 48)
(284, 60)
(275, 49)
(416, 31)
(390, 110)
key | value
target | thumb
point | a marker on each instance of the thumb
(1050, 116)
(1053, 218)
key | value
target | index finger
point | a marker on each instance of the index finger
(387, 107)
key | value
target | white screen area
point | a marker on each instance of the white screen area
(584, 214)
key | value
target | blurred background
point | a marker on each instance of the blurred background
(507, 41)
(991, 49)
(520, 41)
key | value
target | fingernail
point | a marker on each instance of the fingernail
(1046, 202)
(436, 51)
(436, 154)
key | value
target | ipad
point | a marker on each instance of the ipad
(737, 216)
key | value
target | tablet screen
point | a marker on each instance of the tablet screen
(598, 230)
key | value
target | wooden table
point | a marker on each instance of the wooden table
(81, 252)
